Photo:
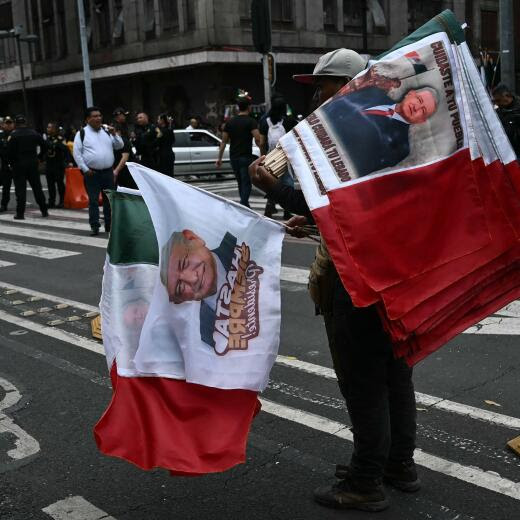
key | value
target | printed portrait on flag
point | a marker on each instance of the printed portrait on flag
(385, 119)
(213, 317)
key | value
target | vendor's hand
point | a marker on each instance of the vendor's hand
(294, 226)
(218, 163)
(260, 177)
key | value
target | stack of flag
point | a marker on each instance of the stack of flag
(415, 189)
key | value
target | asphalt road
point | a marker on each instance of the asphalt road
(54, 387)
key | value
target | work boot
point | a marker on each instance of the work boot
(351, 493)
(94, 231)
(45, 213)
(107, 228)
(402, 475)
(270, 209)
(19, 217)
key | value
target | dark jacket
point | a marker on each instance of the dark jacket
(56, 153)
(372, 142)
(207, 315)
(25, 145)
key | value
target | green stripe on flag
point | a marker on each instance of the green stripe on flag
(443, 22)
(132, 236)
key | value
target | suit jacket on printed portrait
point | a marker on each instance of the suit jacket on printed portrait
(372, 142)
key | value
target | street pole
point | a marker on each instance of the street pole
(364, 28)
(84, 54)
(22, 75)
(507, 54)
(267, 82)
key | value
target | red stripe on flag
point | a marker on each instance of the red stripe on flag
(187, 428)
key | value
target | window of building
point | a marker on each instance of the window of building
(6, 23)
(330, 15)
(170, 15)
(489, 38)
(352, 14)
(245, 13)
(149, 19)
(281, 14)
(102, 13)
(49, 30)
(420, 11)
(32, 12)
(191, 6)
(118, 33)
(62, 27)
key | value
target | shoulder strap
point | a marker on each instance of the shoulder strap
(82, 135)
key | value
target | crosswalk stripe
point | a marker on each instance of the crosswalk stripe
(50, 222)
(423, 399)
(69, 213)
(470, 474)
(288, 361)
(5, 264)
(51, 236)
(75, 508)
(46, 253)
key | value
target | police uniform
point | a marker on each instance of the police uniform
(23, 147)
(6, 174)
(146, 144)
(57, 155)
(165, 155)
(123, 178)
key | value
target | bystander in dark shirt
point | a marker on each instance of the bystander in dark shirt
(239, 129)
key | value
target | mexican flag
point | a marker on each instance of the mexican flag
(190, 313)
(414, 187)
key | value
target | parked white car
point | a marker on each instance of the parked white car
(196, 152)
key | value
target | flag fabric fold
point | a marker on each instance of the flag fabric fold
(190, 320)
(415, 189)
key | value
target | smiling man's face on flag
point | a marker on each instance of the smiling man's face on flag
(417, 106)
(189, 270)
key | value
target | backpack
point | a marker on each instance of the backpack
(274, 133)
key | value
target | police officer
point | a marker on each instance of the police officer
(165, 142)
(122, 175)
(24, 147)
(6, 172)
(57, 156)
(146, 135)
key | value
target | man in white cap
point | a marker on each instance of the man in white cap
(377, 388)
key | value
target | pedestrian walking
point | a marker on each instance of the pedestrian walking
(377, 388)
(24, 148)
(273, 126)
(94, 147)
(240, 131)
(165, 142)
(57, 156)
(122, 176)
(145, 142)
(6, 171)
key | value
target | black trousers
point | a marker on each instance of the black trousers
(23, 172)
(165, 164)
(377, 388)
(125, 179)
(94, 185)
(55, 177)
(6, 179)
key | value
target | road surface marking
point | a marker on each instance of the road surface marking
(44, 296)
(50, 222)
(5, 264)
(75, 508)
(41, 234)
(25, 445)
(478, 477)
(427, 400)
(47, 253)
(59, 334)
(304, 366)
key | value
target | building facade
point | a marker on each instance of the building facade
(190, 57)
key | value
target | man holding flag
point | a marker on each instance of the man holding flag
(378, 388)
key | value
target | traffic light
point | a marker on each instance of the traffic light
(261, 22)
